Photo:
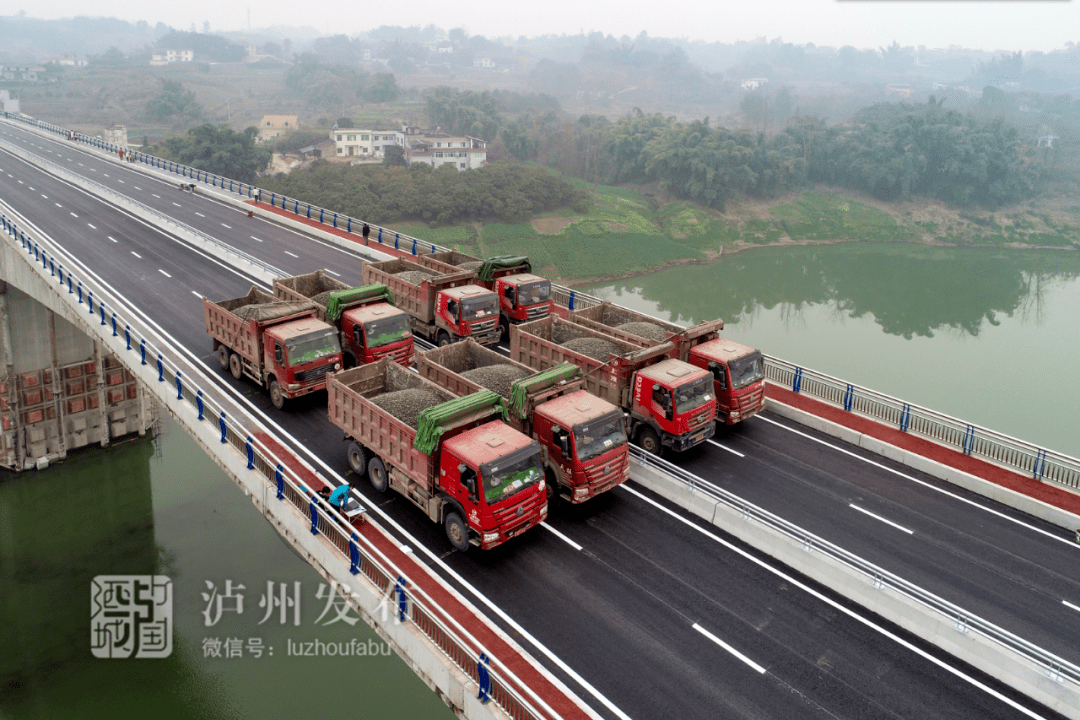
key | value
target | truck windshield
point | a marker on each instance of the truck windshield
(534, 293)
(693, 395)
(510, 475)
(312, 346)
(747, 370)
(386, 330)
(599, 435)
(479, 308)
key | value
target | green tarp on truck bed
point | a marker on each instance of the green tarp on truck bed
(432, 421)
(502, 262)
(339, 300)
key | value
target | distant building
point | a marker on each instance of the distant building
(464, 152)
(21, 73)
(68, 61)
(483, 62)
(166, 57)
(903, 91)
(754, 83)
(7, 103)
(271, 127)
(117, 135)
(1047, 140)
(364, 143)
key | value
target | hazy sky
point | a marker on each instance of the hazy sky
(988, 25)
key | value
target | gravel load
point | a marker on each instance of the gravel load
(471, 265)
(414, 276)
(496, 377)
(406, 404)
(322, 298)
(644, 329)
(593, 347)
(267, 311)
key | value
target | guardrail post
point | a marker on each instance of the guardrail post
(402, 598)
(37, 252)
(969, 439)
(296, 207)
(354, 555)
(414, 246)
(483, 679)
(199, 404)
(335, 221)
(380, 236)
(90, 301)
(114, 325)
(160, 369)
(101, 311)
(796, 383)
(321, 212)
(61, 271)
(1040, 465)
(179, 387)
(279, 479)
(348, 224)
(221, 424)
(69, 284)
(313, 507)
(570, 303)
(52, 267)
(849, 397)
(905, 418)
(397, 240)
(80, 291)
(250, 453)
(309, 211)
(142, 349)
(433, 248)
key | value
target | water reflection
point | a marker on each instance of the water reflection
(909, 290)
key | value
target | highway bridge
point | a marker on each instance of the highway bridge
(633, 604)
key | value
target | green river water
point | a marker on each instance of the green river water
(990, 336)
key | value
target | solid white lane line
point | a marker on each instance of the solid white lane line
(722, 447)
(878, 517)
(255, 239)
(229, 227)
(730, 649)
(164, 273)
(920, 482)
(561, 536)
(200, 214)
(111, 238)
(136, 254)
(837, 606)
(1066, 603)
(504, 349)
(293, 254)
(91, 226)
(334, 273)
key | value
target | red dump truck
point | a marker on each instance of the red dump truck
(443, 303)
(669, 403)
(280, 345)
(738, 371)
(454, 458)
(582, 437)
(523, 297)
(370, 327)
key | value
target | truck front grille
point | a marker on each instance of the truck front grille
(484, 326)
(309, 376)
(535, 313)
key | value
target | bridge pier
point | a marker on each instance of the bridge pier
(59, 389)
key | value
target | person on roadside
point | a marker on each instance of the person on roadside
(340, 497)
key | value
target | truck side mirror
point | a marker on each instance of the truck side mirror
(357, 335)
(277, 352)
(564, 442)
(468, 479)
(718, 373)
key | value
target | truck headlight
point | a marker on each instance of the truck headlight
(491, 537)
(543, 485)
(337, 366)
(293, 386)
(734, 414)
(581, 492)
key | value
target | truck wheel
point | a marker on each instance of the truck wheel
(223, 357)
(650, 441)
(444, 338)
(357, 457)
(376, 473)
(276, 398)
(348, 360)
(504, 330)
(552, 490)
(456, 532)
(235, 367)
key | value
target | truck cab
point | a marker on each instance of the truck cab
(372, 332)
(584, 439)
(523, 297)
(495, 475)
(298, 355)
(738, 378)
(468, 311)
(674, 405)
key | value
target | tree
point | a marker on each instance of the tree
(383, 88)
(394, 156)
(220, 150)
(173, 104)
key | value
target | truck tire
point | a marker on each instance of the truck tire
(223, 357)
(650, 441)
(357, 457)
(456, 532)
(236, 367)
(348, 360)
(504, 329)
(277, 399)
(376, 472)
(444, 338)
(552, 490)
